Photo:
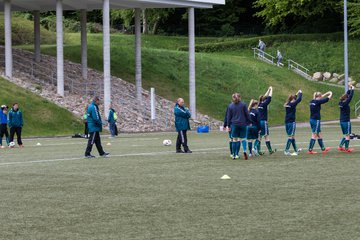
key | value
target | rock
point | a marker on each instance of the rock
(357, 85)
(335, 75)
(327, 75)
(350, 79)
(341, 77)
(352, 83)
(318, 76)
(341, 82)
(334, 80)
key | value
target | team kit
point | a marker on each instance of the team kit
(248, 125)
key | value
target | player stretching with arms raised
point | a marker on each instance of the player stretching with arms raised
(290, 124)
(345, 119)
(315, 121)
(264, 102)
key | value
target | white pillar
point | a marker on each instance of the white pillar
(60, 47)
(106, 46)
(153, 104)
(84, 59)
(346, 47)
(8, 41)
(138, 70)
(37, 50)
(192, 87)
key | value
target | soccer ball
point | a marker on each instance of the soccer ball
(167, 142)
(12, 144)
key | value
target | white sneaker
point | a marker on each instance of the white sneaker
(287, 153)
(294, 154)
(250, 155)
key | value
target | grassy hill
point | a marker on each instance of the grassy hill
(41, 117)
(219, 74)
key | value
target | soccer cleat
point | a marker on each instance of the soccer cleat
(311, 152)
(89, 156)
(245, 156)
(21, 146)
(272, 151)
(2, 147)
(350, 150)
(326, 150)
(105, 155)
(261, 153)
(236, 157)
(231, 156)
(341, 149)
(250, 155)
(287, 153)
(188, 151)
(180, 151)
(294, 154)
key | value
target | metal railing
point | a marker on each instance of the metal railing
(357, 108)
(299, 69)
(260, 54)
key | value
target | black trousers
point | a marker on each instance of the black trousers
(86, 132)
(4, 132)
(16, 130)
(182, 140)
(94, 139)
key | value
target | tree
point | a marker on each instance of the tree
(354, 17)
(280, 12)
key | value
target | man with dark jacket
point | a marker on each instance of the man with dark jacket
(182, 124)
(15, 123)
(95, 127)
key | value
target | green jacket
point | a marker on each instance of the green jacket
(15, 118)
(94, 118)
(182, 116)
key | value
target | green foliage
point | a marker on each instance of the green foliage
(23, 32)
(354, 17)
(41, 118)
(277, 12)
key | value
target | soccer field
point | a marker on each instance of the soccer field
(146, 191)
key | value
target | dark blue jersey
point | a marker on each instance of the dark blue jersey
(345, 108)
(315, 108)
(263, 109)
(238, 115)
(225, 119)
(255, 118)
(290, 109)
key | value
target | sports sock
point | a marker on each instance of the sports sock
(268, 145)
(342, 142)
(288, 144)
(347, 142)
(230, 146)
(244, 145)
(250, 147)
(233, 148)
(311, 145)
(0, 141)
(7, 141)
(293, 141)
(237, 150)
(258, 146)
(321, 143)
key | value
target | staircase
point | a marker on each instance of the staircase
(263, 56)
(299, 69)
(133, 117)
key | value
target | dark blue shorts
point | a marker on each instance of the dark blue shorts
(315, 126)
(346, 128)
(239, 132)
(252, 133)
(290, 129)
(264, 128)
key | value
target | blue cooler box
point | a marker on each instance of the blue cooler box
(203, 129)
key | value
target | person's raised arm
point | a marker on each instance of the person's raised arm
(299, 97)
(270, 91)
(350, 94)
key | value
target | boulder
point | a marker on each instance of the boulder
(327, 75)
(341, 77)
(335, 75)
(341, 82)
(318, 76)
(352, 83)
(357, 85)
(334, 80)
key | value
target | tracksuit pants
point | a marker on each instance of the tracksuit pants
(94, 139)
(16, 130)
(182, 140)
(4, 132)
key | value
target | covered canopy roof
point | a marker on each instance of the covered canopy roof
(50, 5)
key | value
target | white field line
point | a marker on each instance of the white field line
(197, 151)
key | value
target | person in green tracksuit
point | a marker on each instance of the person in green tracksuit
(95, 127)
(112, 122)
(16, 123)
(85, 117)
(182, 124)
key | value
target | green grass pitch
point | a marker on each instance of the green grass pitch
(146, 191)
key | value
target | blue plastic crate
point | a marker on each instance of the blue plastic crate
(203, 129)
